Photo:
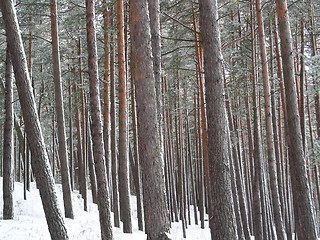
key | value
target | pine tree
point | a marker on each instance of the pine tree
(222, 218)
(40, 161)
(301, 193)
(8, 161)
(96, 126)
(66, 187)
(154, 195)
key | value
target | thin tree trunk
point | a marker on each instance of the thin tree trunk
(302, 105)
(269, 130)
(71, 166)
(92, 172)
(125, 210)
(135, 147)
(256, 199)
(65, 178)
(197, 126)
(8, 167)
(106, 104)
(181, 161)
(96, 127)
(114, 161)
(238, 177)
(83, 159)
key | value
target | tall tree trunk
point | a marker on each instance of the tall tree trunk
(65, 178)
(83, 154)
(135, 146)
(283, 150)
(125, 210)
(269, 130)
(301, 194)
(237, 174)
(197, 124)
(114, 159)
(257, 206)
(40, 160)
(222, 218)
(154, 195)
(256, 199)
(71, 166)
(8, 177)
(302, 85)
(106, 104)
(96, 127)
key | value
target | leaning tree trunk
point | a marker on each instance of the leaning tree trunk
(301, 193)
(66, 187)
(8, 161)
(40, 161)
(154, 195)
(222, 218)
(96, 126)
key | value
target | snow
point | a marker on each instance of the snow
(29, 220)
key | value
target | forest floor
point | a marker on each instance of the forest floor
(29, 220)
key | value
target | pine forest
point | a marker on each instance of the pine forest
(160, 119)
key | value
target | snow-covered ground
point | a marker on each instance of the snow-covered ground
(29, 220)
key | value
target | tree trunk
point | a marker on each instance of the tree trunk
(154, 195)
(302, 85)
(238, 176)
(269, 130)
(154, 10)
(65, 178)
(301, 194)
(114, 159)
(92, 172)
(96, 127)
(135, 148)
(125, 210)
(71, 166)
(40, 160)
(106, 104)
(8, 177)
(222, 218)
(83, 153)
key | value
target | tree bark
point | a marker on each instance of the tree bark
(92, 172)
(106, 104)
(40, 160)
(137, 169)
(125, 210)
(237, 173)
(154, 195)
(301, 193)
(114, 161)
(269, 130)
(65, 178)
(222, 218)
(154, 10)
(8, 177)
(96, 127)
